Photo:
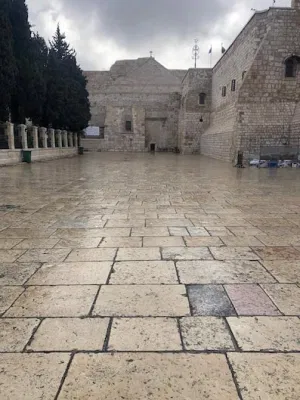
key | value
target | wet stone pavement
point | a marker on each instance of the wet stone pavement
(138, 276)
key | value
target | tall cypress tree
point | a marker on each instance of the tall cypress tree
(67, 105)
(21, 46)
(37, 79)
(7, 60)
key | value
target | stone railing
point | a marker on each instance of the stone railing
(64, 139)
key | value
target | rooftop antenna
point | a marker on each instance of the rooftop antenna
(196, 50)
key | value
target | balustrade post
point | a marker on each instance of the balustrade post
(75, 139)
(65, 138)
(52, 137)
(44, 136)
(70, 139)
(23, 131)
(35, 137)
(10, 135)
(59, 138)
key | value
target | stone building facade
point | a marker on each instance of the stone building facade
(247, 101)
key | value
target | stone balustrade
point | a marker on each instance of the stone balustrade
(64, 138)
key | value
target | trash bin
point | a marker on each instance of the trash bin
(80, 150)
(26, 156)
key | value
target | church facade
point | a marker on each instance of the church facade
(248, 100)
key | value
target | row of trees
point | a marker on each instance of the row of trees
(40, 82)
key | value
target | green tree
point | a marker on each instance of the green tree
(21, 46)
(67, 105)
(7, 60)
(37, 79)
(78, 106)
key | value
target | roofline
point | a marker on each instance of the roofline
(253, 16)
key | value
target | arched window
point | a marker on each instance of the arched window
(291, 64)
(202, 98)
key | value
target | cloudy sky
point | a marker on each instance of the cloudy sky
(102, 31)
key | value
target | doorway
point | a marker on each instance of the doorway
(152, 147)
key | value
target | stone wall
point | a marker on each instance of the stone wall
(221, 137)
(194, 117)
(141, 91)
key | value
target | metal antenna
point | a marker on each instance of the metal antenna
(196, 50)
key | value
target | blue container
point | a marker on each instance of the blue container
(273, 164)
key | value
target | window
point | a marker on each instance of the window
(233, 85)
(244, 74)
(101, 132)
(291, 67)
(202, 98)
(224, 91)
(128, 126)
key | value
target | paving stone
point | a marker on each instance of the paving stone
(242, 241)
(205, 333)
(44, 255)
(233, 253)
(7, 256)
(182, 222)
(31, 376)
(68, 334)
(54, 301)
(276, 240)
(210, 300)
(277, 253)
(8, 294)
(144, 272)
(7, 244)
(285, 297)
(26, 233)
(138, 376)
(16, 273)
(144, 334)
(267, 376)
(241, 271)
(121, 242)
(175, 231)
(266, 333)
(142, 300)
(37, 244)
(90, 233)
(164, 241)
(205, 241)
(99, 254)
(251, 300)
(72, 273)
(244, 230)
(123, 223)
(186, 253)
(135, 254)
(78, 243)
(284, 272)
(194, 231)
(150, 231)
(218, 231)
(15, 333)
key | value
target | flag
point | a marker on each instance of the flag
(210, 50)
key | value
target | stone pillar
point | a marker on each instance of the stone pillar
(24, 140)
(44, 136)
(35, 137)
(75, 139)
(52, 137)
(10, 135)
(65, 138)
(58, 133)
(71, 139)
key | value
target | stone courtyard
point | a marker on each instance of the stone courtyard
(140, 276)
